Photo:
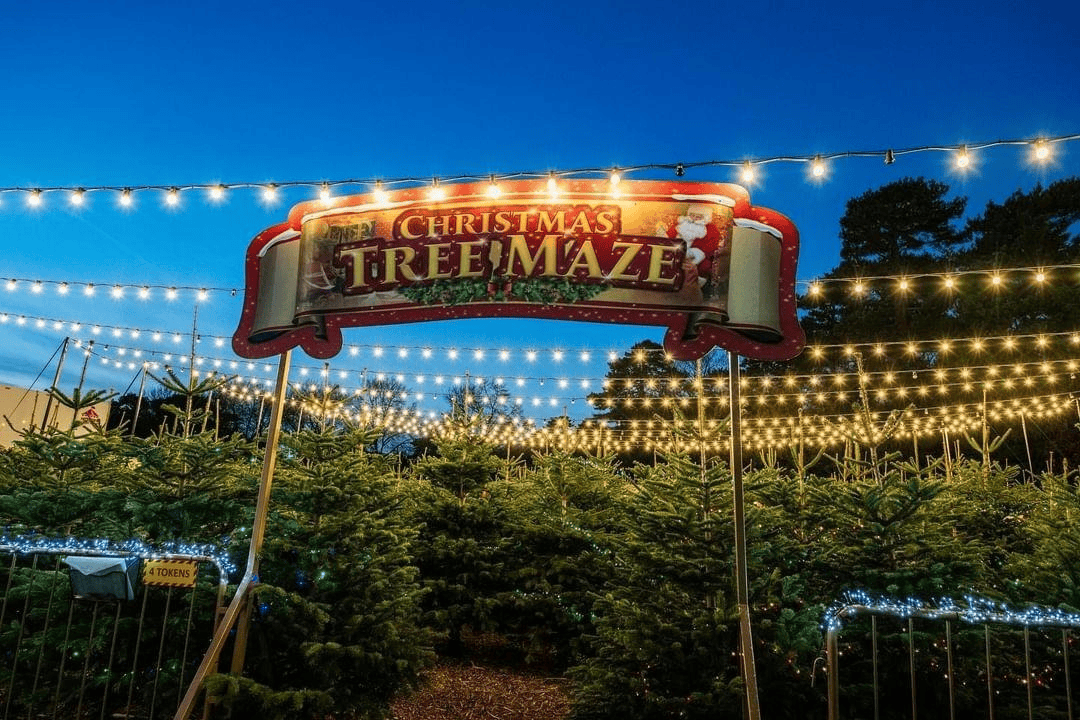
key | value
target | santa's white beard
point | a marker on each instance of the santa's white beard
(689, 230)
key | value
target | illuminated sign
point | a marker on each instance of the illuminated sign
(697, 258)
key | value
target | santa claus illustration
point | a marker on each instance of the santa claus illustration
(701, 237)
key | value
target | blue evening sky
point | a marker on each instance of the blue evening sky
(131, 94)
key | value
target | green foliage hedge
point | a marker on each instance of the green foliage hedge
(622, 579)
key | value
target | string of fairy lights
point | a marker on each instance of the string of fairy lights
(791, 390)
(761, 433)
(964, 158)
(37, 544)
(971, 609)
(797, 389)
(815, 291)
(125, 347)
(893, 349)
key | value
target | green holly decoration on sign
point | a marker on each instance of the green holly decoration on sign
(545, 291)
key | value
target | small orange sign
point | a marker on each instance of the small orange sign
(170, 573)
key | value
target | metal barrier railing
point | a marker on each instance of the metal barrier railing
(83, 634)
(972, 611)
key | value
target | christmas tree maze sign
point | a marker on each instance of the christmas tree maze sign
(696, 258)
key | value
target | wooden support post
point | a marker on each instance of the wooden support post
(258, 530)
(742, 583)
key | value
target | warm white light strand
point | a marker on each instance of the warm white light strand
(901, 349)
(814, 290)
(1041, 151)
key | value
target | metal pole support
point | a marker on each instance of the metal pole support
(742, 583)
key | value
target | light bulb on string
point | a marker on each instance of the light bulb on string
(613, 181)
(217, 193)
(78, 197)
(817, 168)
(126, 200)
(552, 186)
(1040, 152)
(35, 199)
(493, 190)
(747, 173)
(437, 192)
(172, 197)
(962, 159)
(324, 193)
(270, 194)
(379, 194)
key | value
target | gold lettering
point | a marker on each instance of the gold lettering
(523, 222)
(502, 221)
(605, 223)
(629, 252)
(552, 224)
(519, 250)
(464, 224)
(661, 257)
(397, 259)
(437, 220)
(406, 232)
(437, 257)
(469, 258)
(581, 223)
(585, 258)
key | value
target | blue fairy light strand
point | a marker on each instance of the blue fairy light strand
(176, 550)
(971, 609)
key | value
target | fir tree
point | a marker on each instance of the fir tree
(568, 510)
(464, 553)
(891, 532)
(1049, 571)
(337, 608)
(667, 629)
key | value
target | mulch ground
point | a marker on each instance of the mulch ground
(472, 692)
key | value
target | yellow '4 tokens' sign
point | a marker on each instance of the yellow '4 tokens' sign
(170, 573)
